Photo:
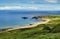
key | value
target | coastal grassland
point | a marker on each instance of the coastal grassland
(50, 30)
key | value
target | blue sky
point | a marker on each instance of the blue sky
(30, 4)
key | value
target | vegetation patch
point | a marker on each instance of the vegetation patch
(50, 30)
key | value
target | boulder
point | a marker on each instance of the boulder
(25, 17)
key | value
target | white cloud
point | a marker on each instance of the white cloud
(17, 7)
(29, 8)
(52, 1)
(9, 7)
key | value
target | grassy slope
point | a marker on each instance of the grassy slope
(45, 31)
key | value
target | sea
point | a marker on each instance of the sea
(13, 18)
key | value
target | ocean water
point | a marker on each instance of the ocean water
(9, 19)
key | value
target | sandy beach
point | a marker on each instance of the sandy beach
(30, 26)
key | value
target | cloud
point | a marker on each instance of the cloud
(17, 7)
(52, 1)
(29, 8)
(9, 7)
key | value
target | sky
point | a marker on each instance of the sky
(30, 5)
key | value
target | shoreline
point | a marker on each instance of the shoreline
(29, 26)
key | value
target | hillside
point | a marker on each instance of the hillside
(50, 30)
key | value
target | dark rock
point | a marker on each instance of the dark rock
(37, 17)
(25, 17)
(5, 29)
(30, 24)
(34, 18)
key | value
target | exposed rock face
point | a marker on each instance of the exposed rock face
(37, 17)
(25, 17)
(34, 18)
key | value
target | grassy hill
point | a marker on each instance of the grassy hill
(50, 30)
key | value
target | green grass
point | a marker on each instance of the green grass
(50, 30)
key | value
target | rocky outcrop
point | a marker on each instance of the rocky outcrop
(37, 17)
(25, 17)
